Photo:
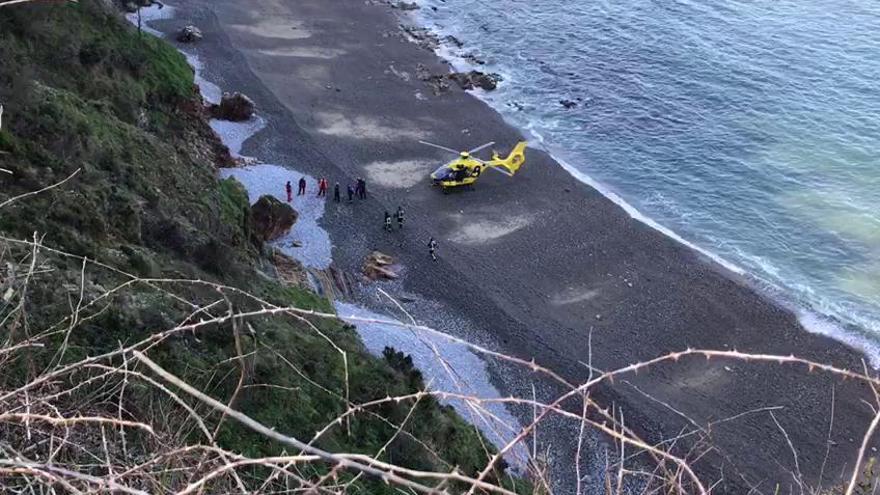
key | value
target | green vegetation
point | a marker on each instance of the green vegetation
(83, 92)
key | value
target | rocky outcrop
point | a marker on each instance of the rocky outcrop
(465, 80)
(405, 6)
(189, 34)
(271, 219)
(475, 79)
(378, 266)
(235, 107)
(290, 271)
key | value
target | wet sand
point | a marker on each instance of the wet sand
(540, 265)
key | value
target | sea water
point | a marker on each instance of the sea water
(750, 129)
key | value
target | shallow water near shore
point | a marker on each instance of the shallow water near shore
(748, 130)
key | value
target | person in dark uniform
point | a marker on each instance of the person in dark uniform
(350, 193)
(363, 189)
(302, 187)
(336, 196)
(399, 216)
(388, 221)
(432, 249)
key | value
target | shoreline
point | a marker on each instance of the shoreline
(811, 319)
(510, 303)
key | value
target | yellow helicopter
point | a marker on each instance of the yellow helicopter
(466, 169)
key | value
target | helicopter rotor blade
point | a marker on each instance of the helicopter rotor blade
(444, 148)
(501, 170)
(481, 148)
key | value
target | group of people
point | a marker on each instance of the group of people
(359, 189)
(398, 216)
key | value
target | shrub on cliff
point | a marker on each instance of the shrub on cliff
(139, 240)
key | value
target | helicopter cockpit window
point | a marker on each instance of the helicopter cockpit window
(443, 173)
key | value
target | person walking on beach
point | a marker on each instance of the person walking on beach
(289, 190)
(388, 221)
(302, 187)
(336, 193)
(350, 193)
(361, 188)
(399, 216)
(322, 187)
(432, 249)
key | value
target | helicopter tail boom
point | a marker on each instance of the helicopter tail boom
(514, 160)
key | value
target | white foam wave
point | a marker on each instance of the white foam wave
(815, 323)
(635, 214)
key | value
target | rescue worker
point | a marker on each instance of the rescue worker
(350, 193)
(388, 221)
(289, 189)
(362, 188)
(302, 186)
(432, 249)
(336, 193)
(399, 216)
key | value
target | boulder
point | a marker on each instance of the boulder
(378, 266)
(475, 79)
(271, 219)
(405, 6)
(235, 107)
(189, 34)
(452, 40)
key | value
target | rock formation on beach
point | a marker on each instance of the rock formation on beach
(377, 266)
(189, 34)
(440, 83)
(271, 218)
(235, 107)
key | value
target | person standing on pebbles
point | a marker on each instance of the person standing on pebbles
(432, 249)
(399, 216)
(388, 227)
(302, 186)
(350, 193)
(289, 190)
(336, 196)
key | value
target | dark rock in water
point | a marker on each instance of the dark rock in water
(452, 40)
(476, 79)
(568, 103)
(423, 37)
(235, 107)
(405, 6)
(472, 58)
(465, 80)
(189, 34)
(271, 219)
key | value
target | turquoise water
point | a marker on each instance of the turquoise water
(749, 128)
